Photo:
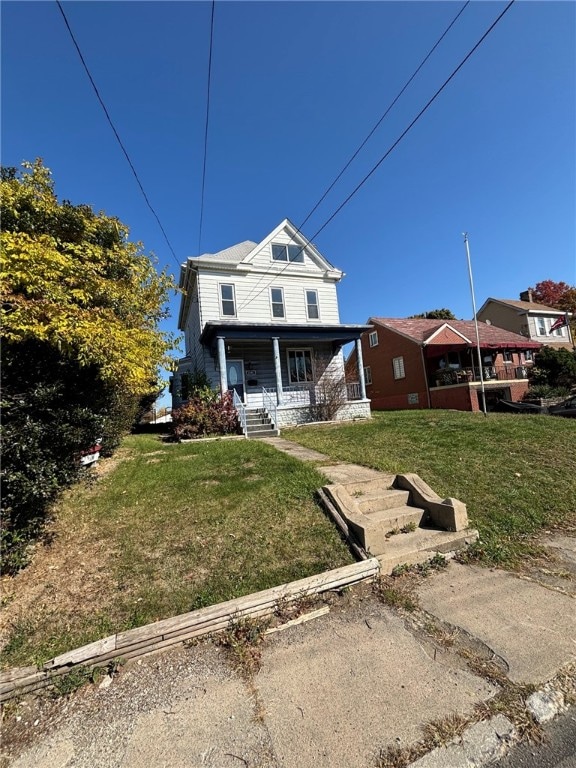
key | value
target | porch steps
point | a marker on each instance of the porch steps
(399, 519)
(259, 424)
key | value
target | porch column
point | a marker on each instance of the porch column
(360, 364)
(222, 365)
(276, 348)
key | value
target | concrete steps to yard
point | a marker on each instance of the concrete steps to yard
(259, 424)
(399, 519)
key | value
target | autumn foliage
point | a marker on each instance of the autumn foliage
(80, 307)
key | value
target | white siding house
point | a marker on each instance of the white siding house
(262, 319)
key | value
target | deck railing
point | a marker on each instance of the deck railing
(448, 376)
(353, 390)
(241, 411)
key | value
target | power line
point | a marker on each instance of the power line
(394, 145)
(363, 144)
(206, 126)
(118, 139)
(390, 106)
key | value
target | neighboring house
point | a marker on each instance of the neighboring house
(262, 319)
(529, 319)
(413, 363)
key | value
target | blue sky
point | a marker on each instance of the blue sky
(295, 88)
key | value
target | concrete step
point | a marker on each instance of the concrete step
(255, 434)
(422, 545)
(398, 517)
(257, 420)
(372, 501)
(360, 488)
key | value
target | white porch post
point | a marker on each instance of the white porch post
(222, 365)
(360, 363)
(276, 348)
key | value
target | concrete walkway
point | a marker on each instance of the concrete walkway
(330, 693)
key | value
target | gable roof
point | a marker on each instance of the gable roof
(524, 306)
(233, 254)
(423, 331)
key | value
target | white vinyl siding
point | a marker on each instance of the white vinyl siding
(398, 367)
(277, 303)
(227, 300)
(312, 309)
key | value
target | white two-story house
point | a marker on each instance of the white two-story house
(261, 319)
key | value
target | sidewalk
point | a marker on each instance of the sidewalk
(330, 693)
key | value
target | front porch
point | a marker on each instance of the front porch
(294, 373)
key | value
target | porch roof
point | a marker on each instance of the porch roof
(337, 334)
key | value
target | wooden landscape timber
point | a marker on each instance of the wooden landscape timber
(134, 643)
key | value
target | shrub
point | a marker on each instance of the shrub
(205, 414)
(554, 368)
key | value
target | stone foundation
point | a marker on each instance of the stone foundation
(290, 416)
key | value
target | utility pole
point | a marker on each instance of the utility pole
(482, 390)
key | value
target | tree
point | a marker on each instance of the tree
(80, 307)
(435, 314)
(554, 368)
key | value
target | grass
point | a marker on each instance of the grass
(516, 474)
(171, 528)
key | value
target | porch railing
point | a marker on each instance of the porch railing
(269, 403)
(299, 394)
(241, 411)
(448, 376)
(353, 390)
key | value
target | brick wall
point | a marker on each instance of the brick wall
(386, 392)
(460, 398)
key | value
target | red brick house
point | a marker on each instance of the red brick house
(414, 363)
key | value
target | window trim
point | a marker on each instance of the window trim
(398, 368)
(287, 246)
(373, 339)
(222, 299)
(367, 375)
(539, 331)
(317, 305)
(272, 303)
(299, 349)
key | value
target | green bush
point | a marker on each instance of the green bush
(554, 368)
(205, 414)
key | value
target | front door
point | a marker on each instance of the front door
(235, 376)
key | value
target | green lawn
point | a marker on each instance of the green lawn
(516, 473)
(170, 529)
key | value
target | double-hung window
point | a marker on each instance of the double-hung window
(312, 310)
(398, 367)
(367, 375)
(227, 300)
(373, 339)
(541, 326)
(293, 253)
(300, 366)
(277, 301)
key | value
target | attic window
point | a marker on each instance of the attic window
(293, 253)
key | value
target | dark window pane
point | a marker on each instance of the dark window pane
(296, 253)
(279, 252)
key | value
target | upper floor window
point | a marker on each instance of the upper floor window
(541, 326)
(373, 339)
(277, 301)
(227, 300)
(312, 305)
(281, 252)
(559, 331)
(300, 366)
(398, 367)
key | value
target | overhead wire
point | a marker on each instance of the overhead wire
(116, 134)
(206, 126)
(366, 139)
(393, 146)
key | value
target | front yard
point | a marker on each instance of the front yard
(516, 473)
(163, 530)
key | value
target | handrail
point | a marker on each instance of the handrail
(269, 403)
(241, 411)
